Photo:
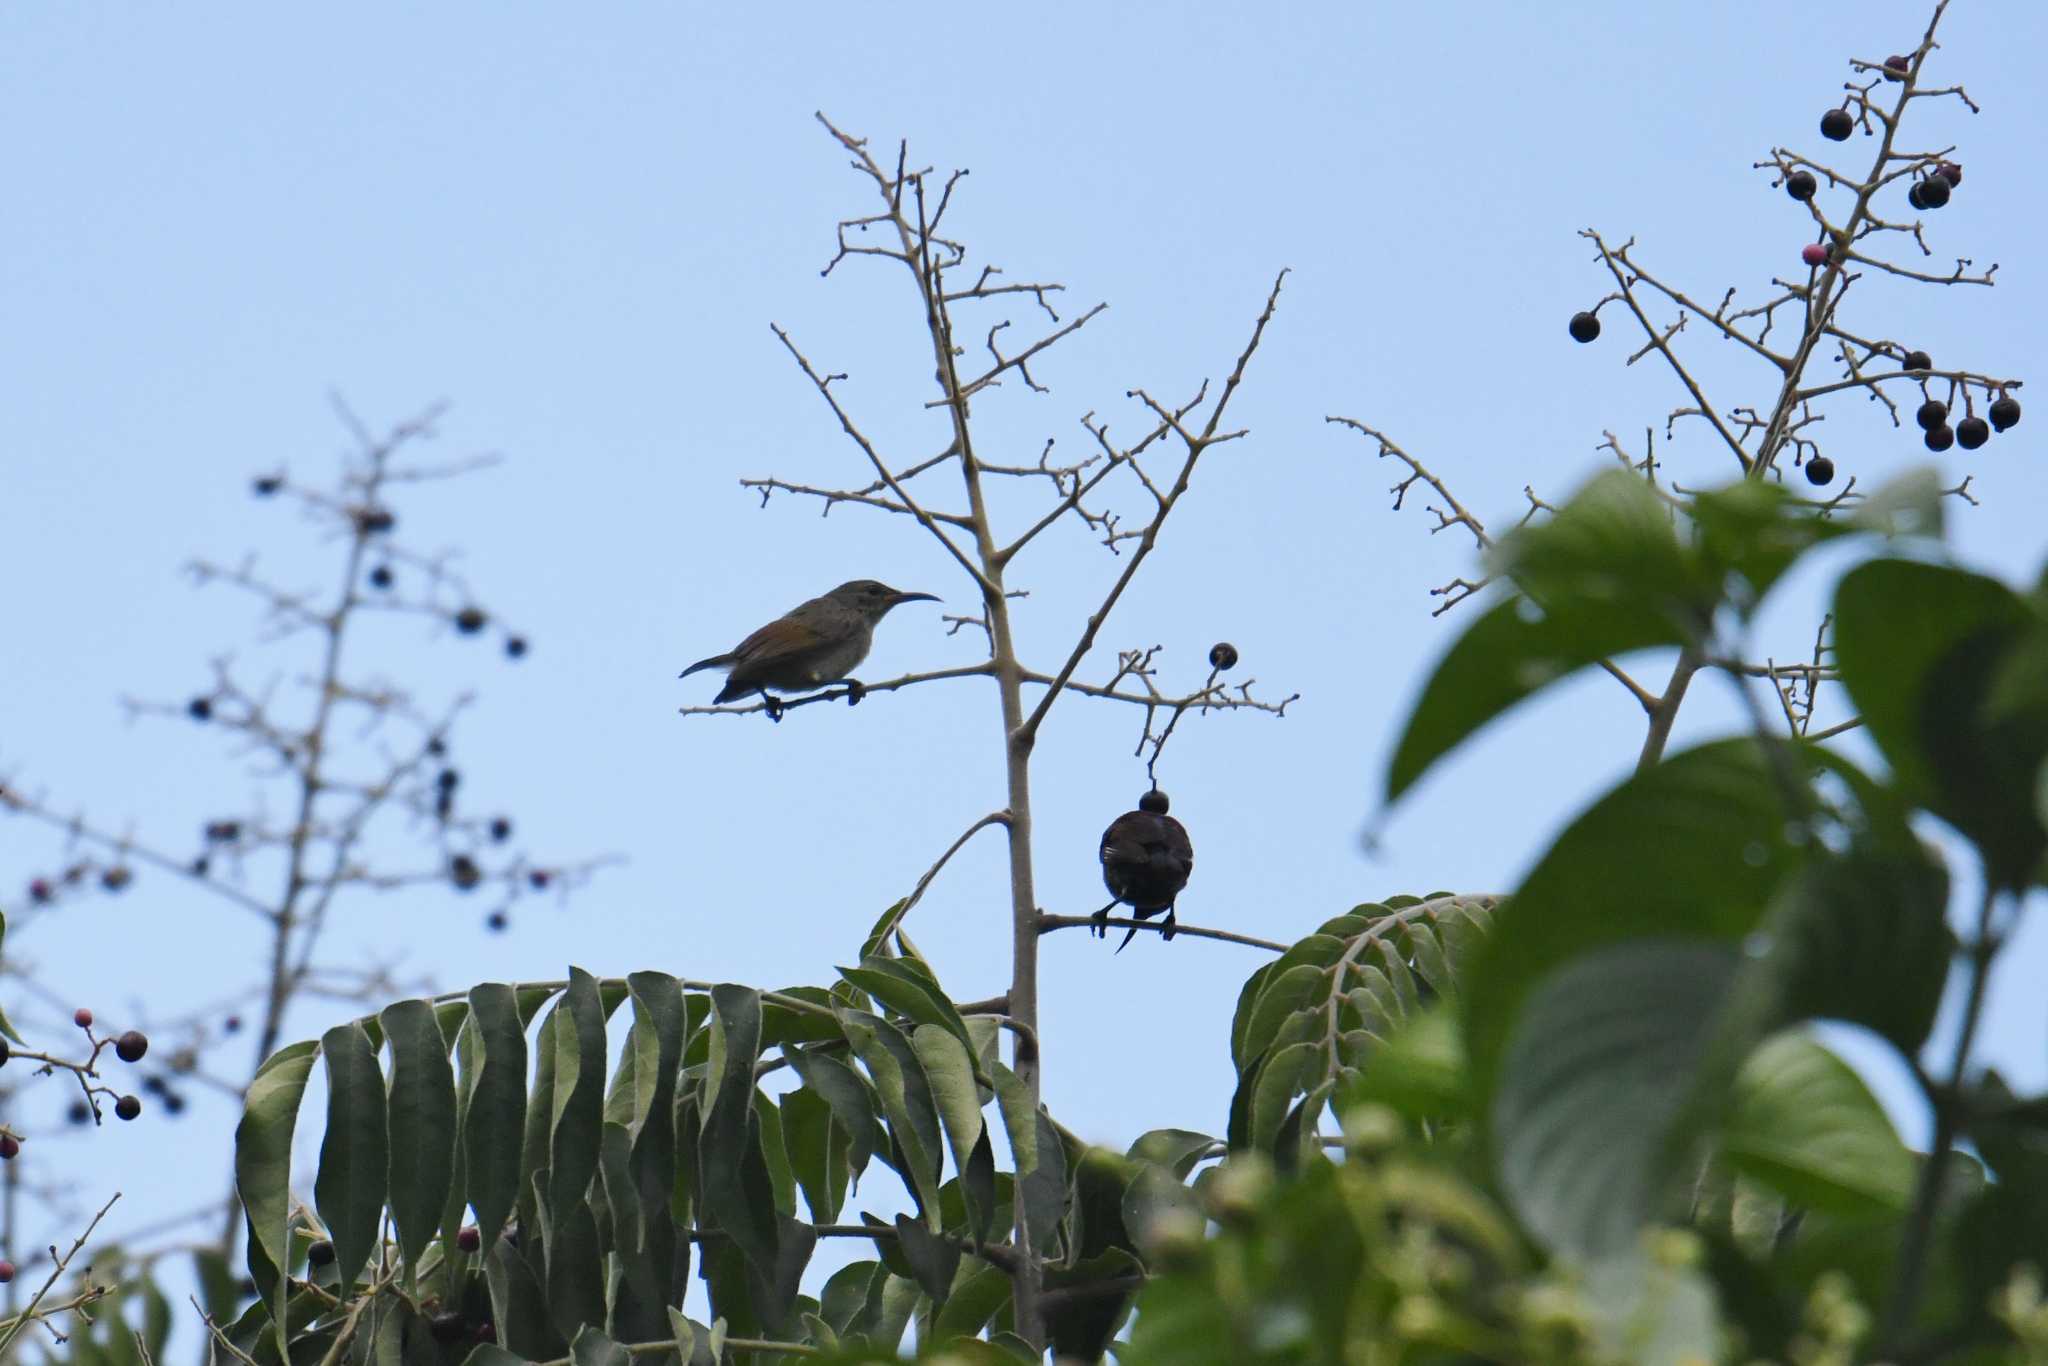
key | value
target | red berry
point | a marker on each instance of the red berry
(131, 1046)
(1814, 254)
(82, 1018)
(6, 1271)
(469, 1239)
(1951, 172)
(10, 1147)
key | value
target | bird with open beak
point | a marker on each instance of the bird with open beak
(815, 645)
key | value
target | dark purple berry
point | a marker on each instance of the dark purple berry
(448, 1328)
(10, 1147)
(374, 520)
(116, 877)
(1941, 438)
(231, 1025)
(380, 577)
(1801, 185)
(1934, 191)
(1933, 413)
(496, 922)
(1917, 360)
(1154, 801)
(1836, 125)
(501, 829)
(320, 1253)
(1951, 172)
(470, 620)
(1896, 67)
(2005, 412)
(446, 779)
(1972, 432)
(82, 1018)
(1223, 655)
(538, 879)
(127, 1107)
(267, 485)
(1584, 327)
(174, 1104)
(462, 870)
(1916, 198)
(131, 1046)
(199, 709)
(6, 1271)
(515, 648)
(468, 1238)
(1820, 470)
(39, 890)
(79, 1113)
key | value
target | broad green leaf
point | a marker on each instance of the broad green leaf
(951, 1074)
(931, 1257)
(842, 1089)
(1804, 1124)
(496, 1114)
(1603, 1061)
(977, 1293)
(910, 993)
(263, 1170)
(1921, 648)
(1019, 1119)
(576, 1111)
(736, 1191)
(1177, 1150)
(906, 1098)
(1300, 986)
(593, 1348)
(349, 1188)
(1420, 1070)
(420, 1114)
(576, 1270)
(774, 1152)
(1649, 1313)
(807, 1130)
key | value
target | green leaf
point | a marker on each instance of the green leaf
(576, 1107)
(1420, 1070)
(593, 1348)
(910, 993)
(496, 1114)
(1757, 531)
(807, 1132)
(1177, 1150)
(1921, 648)
(1019, 1119)
(931, 1257)
(263, 1162)
(1603, 1061)
(977, 1294)
(842, 1089)
(1648, 1313)
(1044, 1190)
(736, 1191)
(420, 1113)
(774, 1152)
(906, 1099)
(1804, 1124)
(348, 1190)
(951, 1074)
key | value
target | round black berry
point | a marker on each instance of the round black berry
(1836, 125)
(127, 1107)
(199, 709)
(1223, 655)
(266, 486)
(448, 1328)
(1934, 191)
(1917, 360)
(1932, 414)
(1801, 185)
(320, 1253)
(79, 1113)
(1896, 67)
(375, 520)
(380, 577)
(538, 879)
(1584, 327)
(462, 870)
(131, 1046)
(470, 620)
(1941, 438)
(447, 779)
(515, 647)
(1951, 172)
(1916, 198)
(501, 829)
(231, 1025)
(39, 890)
(116, 877)
(174, 1104)
(1972, 432)
(2005, 412)
(496, 922)
(1153, 801)
(1820, 470)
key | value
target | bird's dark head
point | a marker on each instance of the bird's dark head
(873, 600)
(1154, 802)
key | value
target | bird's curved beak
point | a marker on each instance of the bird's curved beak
(902, 597)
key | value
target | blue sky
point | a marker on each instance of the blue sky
(577, 225)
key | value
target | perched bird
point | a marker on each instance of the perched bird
(1146, 859)
(817, 644)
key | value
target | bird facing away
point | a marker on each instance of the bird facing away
(817, 644)
(1146, 859)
